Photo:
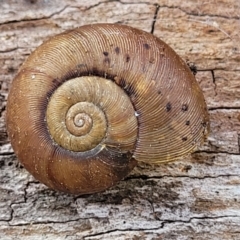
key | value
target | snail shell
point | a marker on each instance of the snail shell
(91, 102)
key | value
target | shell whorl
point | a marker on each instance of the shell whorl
(86, 112)
(98, 98)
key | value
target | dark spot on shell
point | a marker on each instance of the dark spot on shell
(159, 92)
(127, 58)
(187, 122)
(105, 54)
(184, 139)
(146, 46)
(204, 124)
(106, 60)
(168, 106)
(117, 50)
(184, 107)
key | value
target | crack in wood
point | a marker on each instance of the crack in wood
(34, 19)
(182, 176)
(155, 18)
(223, 108)
(214, 82)
(163, 225)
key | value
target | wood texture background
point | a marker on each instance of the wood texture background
(198, 198)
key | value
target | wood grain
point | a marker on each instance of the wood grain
(196, 198)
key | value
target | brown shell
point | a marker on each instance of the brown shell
(166, 103)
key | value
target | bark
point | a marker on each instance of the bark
(196, 198)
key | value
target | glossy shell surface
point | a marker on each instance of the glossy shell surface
(91, 102)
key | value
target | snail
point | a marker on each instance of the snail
(90, 103)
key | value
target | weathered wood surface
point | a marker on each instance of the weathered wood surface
(198, 198)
